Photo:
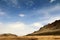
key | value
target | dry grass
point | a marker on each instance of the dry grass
(31, 38)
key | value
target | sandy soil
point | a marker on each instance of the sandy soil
(31, 38)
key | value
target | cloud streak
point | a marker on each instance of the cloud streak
(51, 1)
(22, 15)
(13, 3)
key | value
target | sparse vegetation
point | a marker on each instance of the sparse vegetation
(31, 38)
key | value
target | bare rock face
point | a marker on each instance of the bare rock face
(8, 35)
(49, 29)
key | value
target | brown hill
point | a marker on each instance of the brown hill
(49, 29)
(8, 35)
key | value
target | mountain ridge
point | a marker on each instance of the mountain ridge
(49, 29)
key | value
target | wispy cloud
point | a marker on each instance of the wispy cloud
(1, 24)
(29, 3)
(53, 13)
(52, 1)
(37, 24)
(22, 15)
(2, 13)
(48, 14)
(13, 3)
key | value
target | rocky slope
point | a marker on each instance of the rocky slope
(49, 29)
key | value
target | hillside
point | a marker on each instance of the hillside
(8, 35)
(49, 29)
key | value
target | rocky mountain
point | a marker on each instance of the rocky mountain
(49, 29)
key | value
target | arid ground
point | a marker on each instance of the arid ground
(31, 38)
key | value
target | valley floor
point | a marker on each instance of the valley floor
(31, 38)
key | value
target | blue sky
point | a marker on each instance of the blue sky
(22, 17)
